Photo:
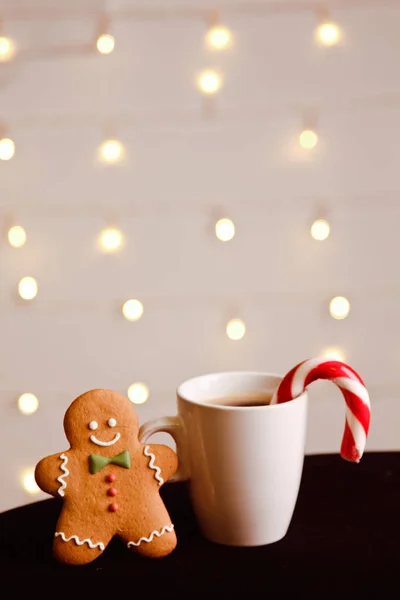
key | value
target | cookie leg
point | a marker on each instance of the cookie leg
(76, 547)
(155, 544)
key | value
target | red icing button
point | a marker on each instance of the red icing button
(113, 507)
(112, 492)
(111, 478)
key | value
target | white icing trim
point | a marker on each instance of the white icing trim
(100, 443)
(151, 536)
(63, 468)
(157, 470)
(78, 542)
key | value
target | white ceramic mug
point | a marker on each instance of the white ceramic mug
(244, 464)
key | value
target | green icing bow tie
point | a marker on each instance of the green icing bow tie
(97, 462)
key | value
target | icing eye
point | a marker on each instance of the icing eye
(112, 422)
(93, 425)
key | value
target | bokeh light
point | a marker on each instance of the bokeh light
(320, 229)
(111, 151)
(105, 43)
(138, 393)
(219, 38)
(7, 49)
(308, 139)
(28, 403)
(17, 236)
(209, 82)
(334, 354)
(29, 483)
(339, 307)
(28, 288)
(225, 230)
(111, 239)
(328, 34)
(235, 329)
(7, 149)
(132, 310)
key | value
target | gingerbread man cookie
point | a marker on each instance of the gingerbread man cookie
(109, 482)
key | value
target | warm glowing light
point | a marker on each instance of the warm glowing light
(328, 34)
(339, 307)
(105, 44)
(132, 310)
(7, 149)
(235, 329)
(138, 393)
(225, 230)
(111, 240)
(219, 38)
(334, 354)
(308, 139)
(320, 229)
(29, 483)
(111, 151)
(28, 403)
(7, 49)
(209, 82)
(28, 288)
(17, 236)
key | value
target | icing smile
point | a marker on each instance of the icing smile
(100, 443)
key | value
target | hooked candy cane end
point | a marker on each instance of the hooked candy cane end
(348, 459)
(354, 455)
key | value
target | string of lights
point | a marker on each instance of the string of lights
(111, 240)
(209, 82)
(133, 309)
(217, 38)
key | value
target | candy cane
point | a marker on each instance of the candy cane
(353, 389)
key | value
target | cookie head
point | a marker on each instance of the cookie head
(100, 420)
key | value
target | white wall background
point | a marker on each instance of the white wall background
(182, 170)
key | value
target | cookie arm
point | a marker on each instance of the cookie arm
(51, 474)
(165, 459)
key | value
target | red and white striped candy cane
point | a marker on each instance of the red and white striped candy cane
(358, 408)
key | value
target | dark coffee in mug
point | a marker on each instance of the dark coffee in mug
(242, 400)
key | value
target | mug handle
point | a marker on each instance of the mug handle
(173, 426)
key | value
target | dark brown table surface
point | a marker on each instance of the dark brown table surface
(344, 538)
